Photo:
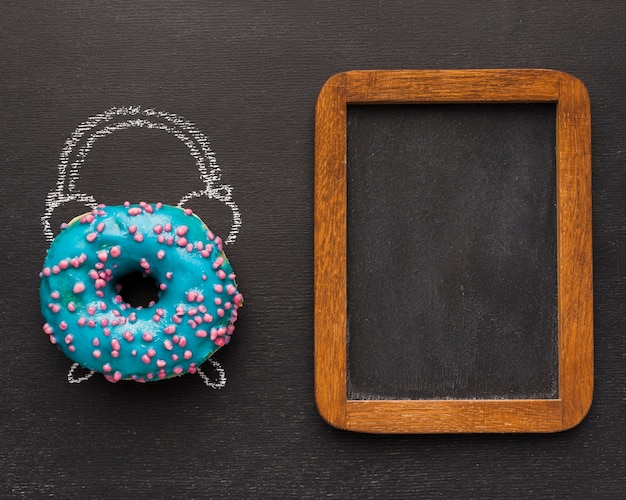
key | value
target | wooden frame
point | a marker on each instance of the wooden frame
(574, 257)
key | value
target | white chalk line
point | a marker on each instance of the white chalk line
(182, 129)
(99, 126)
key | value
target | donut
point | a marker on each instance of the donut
(83, 304)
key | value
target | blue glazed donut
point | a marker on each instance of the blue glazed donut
(93, 325)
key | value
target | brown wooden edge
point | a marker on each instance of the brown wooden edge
(574, 259)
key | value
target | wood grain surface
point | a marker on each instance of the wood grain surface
(574, 258)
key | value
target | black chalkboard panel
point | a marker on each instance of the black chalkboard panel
(451, 263)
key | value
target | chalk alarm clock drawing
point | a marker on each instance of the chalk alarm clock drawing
(82, 293)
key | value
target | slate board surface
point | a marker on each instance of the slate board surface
(248, 75)
(452, 252)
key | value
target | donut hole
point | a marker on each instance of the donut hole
(138, 289)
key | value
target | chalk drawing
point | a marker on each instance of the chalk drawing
(81, 141)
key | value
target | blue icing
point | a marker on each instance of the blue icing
(197, 305)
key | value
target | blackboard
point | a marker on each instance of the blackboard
(432, 293)
(451, 259)
(248, 76)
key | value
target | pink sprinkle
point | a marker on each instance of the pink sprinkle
(178, 370)
(210, 234)
(115, 251)
(169, 330)
(96, 353)
(182, 342)
(182, 242)
(207, 318)
(162, 286)
(231, 289)
(206, 253)
(55, 308)
(147, 337)
(64, 264)
(169, 275)
(145, 358)
(56, 269)
(201, 333)
(103, 255)
(192, 323)
(81, 321)
(63, 325)
(219, 341)
(128, 336)
(132, 229)
(221, 274)
(204, 277)
(134, 211)
(104, 322)
(167, 227)
(53, 339)
(47, 329)
(187, 354)
(174, 357)
(170, 241)
(100, 227)
(68, 338)
(91, 323)
(100, 283)
(188, 211)
(220, 312)
(148, 209)
(99, 265)
(191, 296)
(95, 342)
(91, 237)
(75, 262)
(218, 288)
(158, 229)
(72, 348)
(160, 254)
(138, 237)
(218, 262)
(160, 363)
(168, 345)
(156, 318)
(106, 367)
(217, 301)
(189, 247)
(93, 274)
(237, 299)
(55, 295)
(46, 271)
(151, 352)
(159, 205)
(117, 376)
(115, 344)
(200, 298)
(161, 238)
(115, 354)
(177, 319)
